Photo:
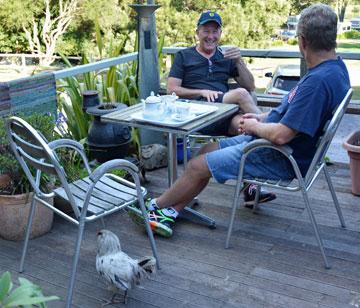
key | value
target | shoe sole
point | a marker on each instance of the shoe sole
(158, 228)
(250, 204)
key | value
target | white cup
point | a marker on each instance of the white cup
(182, 111)
(169, 102)
(224, 48)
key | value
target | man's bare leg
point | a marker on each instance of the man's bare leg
(194, 179)
(243, 98)
(246, 103)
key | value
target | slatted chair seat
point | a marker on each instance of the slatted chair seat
(110, 193)
(91, 198)
(300, 183)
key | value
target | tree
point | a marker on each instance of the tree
(44, 32)
(298, 5)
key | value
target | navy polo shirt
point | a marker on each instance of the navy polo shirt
(198, 72)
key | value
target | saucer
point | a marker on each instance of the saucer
(176, 117)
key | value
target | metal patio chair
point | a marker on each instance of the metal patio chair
(301, 183)
(91, 198)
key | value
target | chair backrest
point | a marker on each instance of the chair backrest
(33, 153)
(329, 131)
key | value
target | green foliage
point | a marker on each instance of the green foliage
(8, 163)
(246, 23)
(276, 43)
(27, 294)
(70, 103)
(353, 34)
(292, 41)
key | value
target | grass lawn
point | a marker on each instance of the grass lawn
(348, 46)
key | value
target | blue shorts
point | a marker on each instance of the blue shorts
(262, 163)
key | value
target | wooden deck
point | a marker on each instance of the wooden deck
(273, 261)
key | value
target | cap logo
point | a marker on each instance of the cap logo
(211, 14)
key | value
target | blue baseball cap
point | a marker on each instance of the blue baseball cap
(208, 16)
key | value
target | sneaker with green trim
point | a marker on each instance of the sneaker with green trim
(159, 222)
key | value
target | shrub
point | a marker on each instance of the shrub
(8, 163)
(353, 34)
(292, 41)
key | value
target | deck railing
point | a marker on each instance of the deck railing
(263, 100)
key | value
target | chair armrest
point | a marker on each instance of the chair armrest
(113, 164)
(72, 144)
(263, 143)
(66, 143)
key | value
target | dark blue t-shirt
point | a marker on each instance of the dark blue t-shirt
(310, 105)
(197, 72)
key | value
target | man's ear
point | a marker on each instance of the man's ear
(302, 42)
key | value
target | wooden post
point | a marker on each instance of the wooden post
(149, 79)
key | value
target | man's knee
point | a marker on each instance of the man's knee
(198, 168)
(209, 147)
(243, 96)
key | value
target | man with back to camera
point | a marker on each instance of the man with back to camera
(297, 122)
(202, 72)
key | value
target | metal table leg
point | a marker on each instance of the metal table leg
(187, 212)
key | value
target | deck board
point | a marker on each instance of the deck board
(273, 260)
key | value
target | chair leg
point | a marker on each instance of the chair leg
(149, 231)
(103, 222)
(233, 211)
(27, 234)
(75, 264)
(335, 199)
(185, 148)
(315, 226)
(257, 195)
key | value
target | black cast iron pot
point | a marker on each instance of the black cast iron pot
(107, 141)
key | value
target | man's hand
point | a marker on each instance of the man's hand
(232, 52)
(210, 95)
(247, 125)
(255, 116)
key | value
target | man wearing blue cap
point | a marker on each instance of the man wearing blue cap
(201, 72)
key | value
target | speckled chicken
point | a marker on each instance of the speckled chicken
(119, 270)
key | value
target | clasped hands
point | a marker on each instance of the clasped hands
(248, 122)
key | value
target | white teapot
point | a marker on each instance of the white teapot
(153, 107)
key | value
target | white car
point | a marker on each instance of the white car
(284, 78)
(355, 23)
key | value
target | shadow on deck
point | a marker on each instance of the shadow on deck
(273, 260)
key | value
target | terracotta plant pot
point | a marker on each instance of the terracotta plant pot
(352, 145)
(14, 212)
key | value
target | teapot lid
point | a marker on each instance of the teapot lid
(152, 98)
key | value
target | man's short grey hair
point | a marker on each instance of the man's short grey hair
(318, 25)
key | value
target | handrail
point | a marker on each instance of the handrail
(85, 68)
(271, 53)
(256, 53)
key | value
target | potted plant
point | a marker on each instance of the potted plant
(352, 145)
(15, 190)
